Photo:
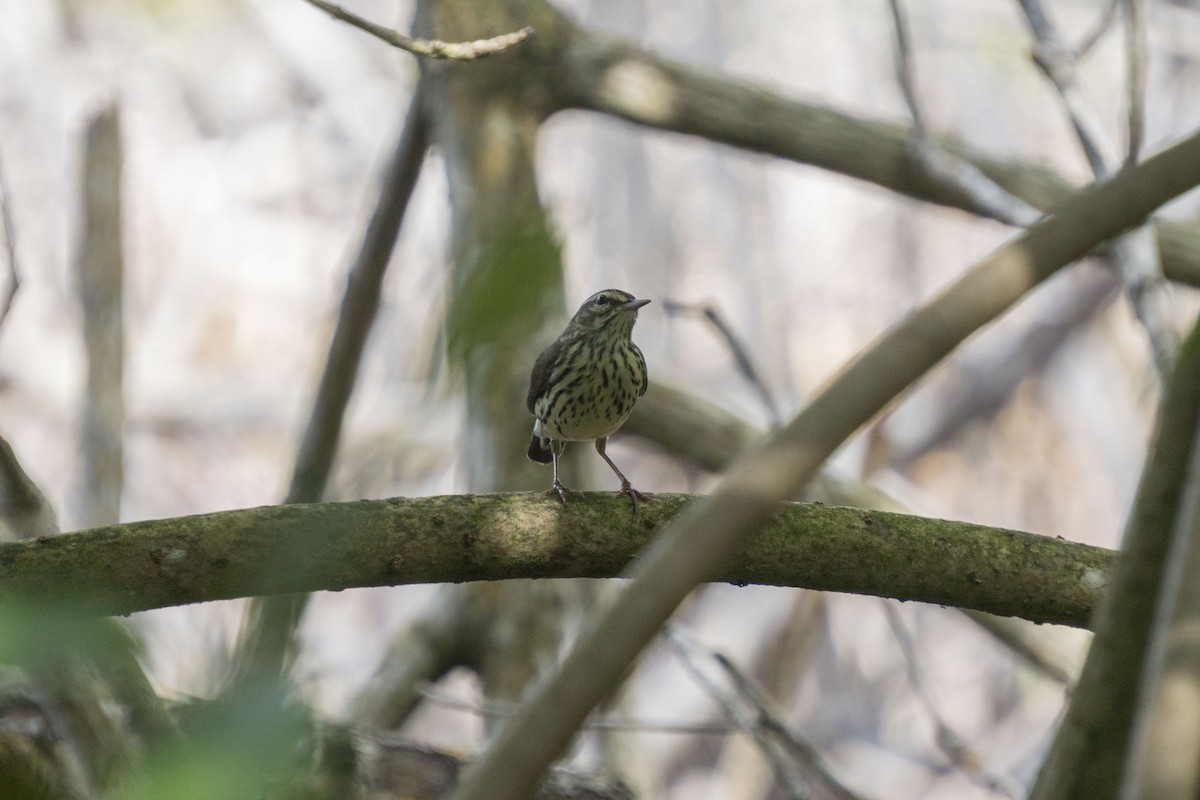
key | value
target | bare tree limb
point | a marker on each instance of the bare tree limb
(460, 538)
(429, 48)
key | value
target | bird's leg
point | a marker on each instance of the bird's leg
(556, 449)
(626, 486)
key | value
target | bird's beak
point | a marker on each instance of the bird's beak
(634, 305)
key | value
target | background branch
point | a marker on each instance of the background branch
(271, 622)
(429, 48)
(990, 200)
(621, 79)
(100, 276)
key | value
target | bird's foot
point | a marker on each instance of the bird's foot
(561, 491)
(634, 495)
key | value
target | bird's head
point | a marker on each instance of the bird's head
(607, 308)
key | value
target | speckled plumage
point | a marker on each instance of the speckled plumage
(585, 383)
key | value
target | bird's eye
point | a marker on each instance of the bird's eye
(602, 300)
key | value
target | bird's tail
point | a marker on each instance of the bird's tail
(539, 450)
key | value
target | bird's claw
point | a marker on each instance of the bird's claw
(561, 491)
(634, 495)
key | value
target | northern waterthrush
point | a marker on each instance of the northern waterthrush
(585, 383)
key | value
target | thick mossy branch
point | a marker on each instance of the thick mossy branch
(333, 546)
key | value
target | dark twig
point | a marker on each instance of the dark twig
(904, 69)
(429, 48)
(952, 745)
(686, 648)
(816, 779)
(24, 511)
(359, 306)
(741, 354)
(772, 719)
(272, 620)
(10, 250)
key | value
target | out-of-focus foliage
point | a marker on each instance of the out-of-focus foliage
(497, 298)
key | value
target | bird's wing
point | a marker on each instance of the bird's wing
(645, 372)
(540, 377)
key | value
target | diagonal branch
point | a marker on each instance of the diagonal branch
(429, 48)
(702, 540)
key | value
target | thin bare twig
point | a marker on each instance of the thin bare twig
(751, 724)
(904, 69)
(1057, 62)
(1135, 50)
(772, 719)
(1135, 255)
(1102, 25)
(741, 354)
(10, 250)
(429, 48)
(500, 710)
(952, 745)
(988, 197)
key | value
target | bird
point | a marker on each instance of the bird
(584, 384)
